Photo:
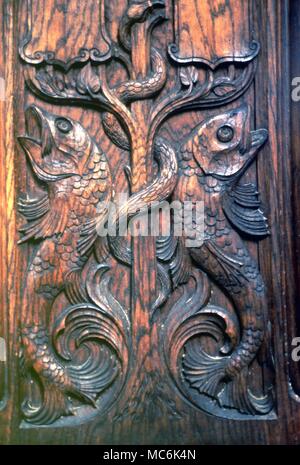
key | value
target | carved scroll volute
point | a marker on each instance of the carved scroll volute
(215, 34)
(67, 31)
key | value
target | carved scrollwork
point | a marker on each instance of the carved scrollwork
(32, 50)
(84, 372)
(254, 48)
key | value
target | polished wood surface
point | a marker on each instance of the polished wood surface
(148, 340)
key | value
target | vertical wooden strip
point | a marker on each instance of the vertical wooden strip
(3, 276)
(295, 160)
(143, 282)
(9, 260)
(278, 104)
(273, 22)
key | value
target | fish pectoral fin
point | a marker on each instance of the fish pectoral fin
(33, 209)
(242, 207)
(52, 223)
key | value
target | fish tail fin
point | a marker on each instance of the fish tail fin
(54, 405)
(236, 394)
(204, 372)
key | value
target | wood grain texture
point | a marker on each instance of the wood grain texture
(148, 341)
(54, 27)
(225, 36)
(294, 210)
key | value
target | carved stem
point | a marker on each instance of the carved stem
(143, 271)
(118, 106)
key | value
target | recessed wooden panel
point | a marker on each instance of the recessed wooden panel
(57, 29)
(213, 31)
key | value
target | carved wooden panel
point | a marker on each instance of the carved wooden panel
(131, 336)
(225, 37)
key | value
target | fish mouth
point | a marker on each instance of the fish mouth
(157, 4)
(258, 138)
(254, 141)
(35, 124)
(38, 143)
(38, 130)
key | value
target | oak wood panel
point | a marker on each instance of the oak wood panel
(225, 35)
(51, 27)
(153, 401)
(294, 66)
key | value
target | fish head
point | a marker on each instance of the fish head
(224, 144)
(58, 147)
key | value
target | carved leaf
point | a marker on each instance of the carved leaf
(88, 79)
(223, 89)
(188, 75)
(51, 83)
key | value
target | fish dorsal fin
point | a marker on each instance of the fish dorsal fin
(242, 207)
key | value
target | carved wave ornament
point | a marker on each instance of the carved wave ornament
(82, 357)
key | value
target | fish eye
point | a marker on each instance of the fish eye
(63, 125)
(225, 133)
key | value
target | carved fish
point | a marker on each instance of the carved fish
(77, 177)
(213, 158)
